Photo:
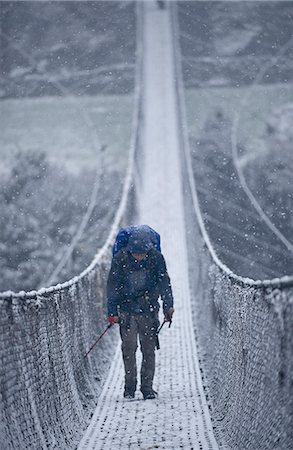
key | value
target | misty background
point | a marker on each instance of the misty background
(66, 89)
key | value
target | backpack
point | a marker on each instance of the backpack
(122, 237)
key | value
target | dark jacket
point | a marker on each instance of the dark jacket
(135, 286)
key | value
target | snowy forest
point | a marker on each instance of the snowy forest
(53, 163)
(51, 54)
(238, 70)
(60, 56)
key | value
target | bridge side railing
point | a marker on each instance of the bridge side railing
(243, 328)
(47, 387)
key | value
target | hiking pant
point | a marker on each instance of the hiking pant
(144, 327)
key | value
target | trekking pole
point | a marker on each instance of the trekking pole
(157, 335)
(99, 338)
(159, 329)
(165, 321)
(161, 326)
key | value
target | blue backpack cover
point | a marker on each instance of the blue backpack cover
(122, 237)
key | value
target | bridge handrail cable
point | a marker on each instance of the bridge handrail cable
(275, 282)
(123, 201)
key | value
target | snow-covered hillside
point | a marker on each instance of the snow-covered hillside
(237, 65)
(87, 47)
(66, 111)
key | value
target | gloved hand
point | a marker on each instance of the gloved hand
(169, 314)
(113, 319)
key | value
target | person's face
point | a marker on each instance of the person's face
(139, 256)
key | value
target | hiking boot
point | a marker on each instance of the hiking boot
(150, 395)
(128, 394)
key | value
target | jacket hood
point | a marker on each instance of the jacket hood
(139, 241)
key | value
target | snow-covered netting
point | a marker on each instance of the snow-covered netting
(244, 331)
(48, 387)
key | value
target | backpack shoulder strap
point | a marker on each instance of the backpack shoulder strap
(121, 240)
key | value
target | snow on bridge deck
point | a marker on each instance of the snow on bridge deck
(179, 417)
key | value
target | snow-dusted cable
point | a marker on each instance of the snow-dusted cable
(80, 230)
(87, 119)
(234, 130)
(182, 116)
(128, 183)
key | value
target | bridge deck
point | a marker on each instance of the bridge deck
(179, 417)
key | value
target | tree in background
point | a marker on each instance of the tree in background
(41, 209)
(20, 233)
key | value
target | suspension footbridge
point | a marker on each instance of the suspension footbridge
(224, 371)
(179, 417)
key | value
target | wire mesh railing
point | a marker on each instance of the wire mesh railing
(48, 388)
(243, 327)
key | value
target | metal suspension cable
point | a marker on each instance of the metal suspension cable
(276, 282)
(65, 255)
(79, 232)
(125, 191)
(234, 130)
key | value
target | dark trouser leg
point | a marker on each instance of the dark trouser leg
(147, 337)
(128, 333)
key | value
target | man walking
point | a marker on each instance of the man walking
(137, 278)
